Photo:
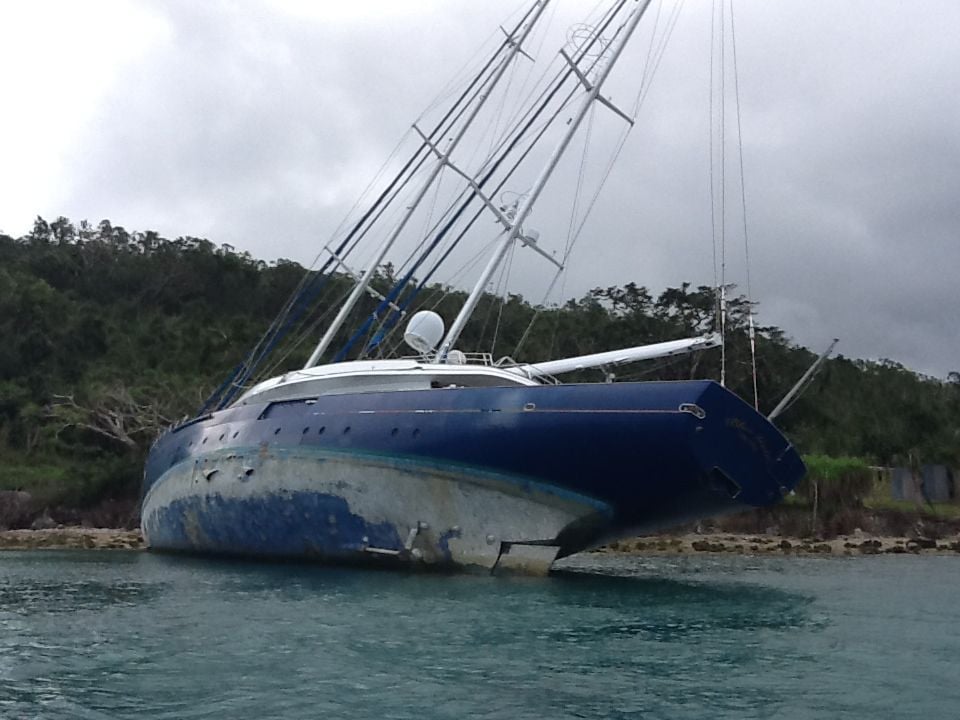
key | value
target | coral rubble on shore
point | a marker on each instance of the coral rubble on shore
(856, 544)
(84, 538)
(71, 538)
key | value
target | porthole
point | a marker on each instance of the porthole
(277, 431)
(322, 428)
(346, 430)
(306, 430)
(223, 435)
(416, 432)
(237, 432)
(395, 431)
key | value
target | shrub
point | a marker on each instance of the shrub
(835, 484)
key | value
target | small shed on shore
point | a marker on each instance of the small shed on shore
(932, 483)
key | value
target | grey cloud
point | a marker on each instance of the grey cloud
(259, 129)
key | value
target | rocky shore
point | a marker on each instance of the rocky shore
(84, 538)
(856, 544)
(71, 538)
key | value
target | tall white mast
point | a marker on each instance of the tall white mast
(364, 280)
(524, 209)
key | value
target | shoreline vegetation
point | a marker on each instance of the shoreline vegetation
(690, 543)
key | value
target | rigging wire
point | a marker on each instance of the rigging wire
(470, 196)
(466, 69)
(647, 76)
(433, 299)
(721, 18)
(743, 200)
(283, 322)
(570, 234)
(466, 194)
(646, 62)
(723, 200)
(671, 24)
(302, 293)
(391, 323)
(505, 282)
(297, 341)
(638, 104)
(663, 364)
(548, 94)
(713, 191)
(531, 79)
(659, 54)
(360, 230)
(717, 173)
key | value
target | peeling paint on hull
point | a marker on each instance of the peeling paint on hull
(335, 506)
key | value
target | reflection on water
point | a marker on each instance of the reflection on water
(135, 635)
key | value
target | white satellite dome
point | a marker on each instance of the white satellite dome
(424, 331)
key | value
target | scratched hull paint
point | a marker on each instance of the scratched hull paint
(334, 506)
(469, 477)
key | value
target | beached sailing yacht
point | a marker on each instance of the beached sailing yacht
(446, 459)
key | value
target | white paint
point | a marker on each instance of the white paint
(377, 376)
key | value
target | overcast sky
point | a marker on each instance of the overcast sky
(259, 123)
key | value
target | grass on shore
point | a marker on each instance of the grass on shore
(74, 482)
(41, 480)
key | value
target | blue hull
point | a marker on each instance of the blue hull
(460, 476)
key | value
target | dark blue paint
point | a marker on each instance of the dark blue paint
(443, 542)
(269, 524)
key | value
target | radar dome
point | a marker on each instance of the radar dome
(424, 331)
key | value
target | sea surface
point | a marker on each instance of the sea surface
(109, 634)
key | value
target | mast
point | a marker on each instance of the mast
(367, 275)
(523, 211)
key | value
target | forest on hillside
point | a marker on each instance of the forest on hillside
(108, 336)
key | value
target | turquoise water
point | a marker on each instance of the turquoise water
(133, 635)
